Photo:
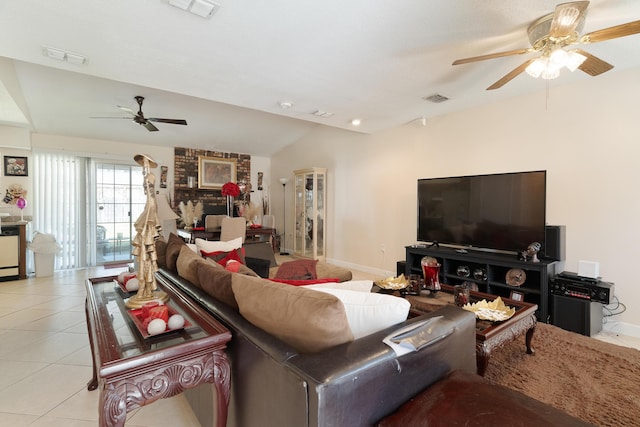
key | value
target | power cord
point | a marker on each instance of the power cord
(613, 309)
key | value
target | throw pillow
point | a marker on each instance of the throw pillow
(299, 269)
(307, 320)
(218, 246)
(161, 251)
(369, 312)
(223, 257)
(311, 282)
(351, 285)
(216, 281)
(187, 265)
(174, 245)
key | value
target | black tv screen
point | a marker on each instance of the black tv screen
(501, 212)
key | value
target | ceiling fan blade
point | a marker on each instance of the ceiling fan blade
(593, 65)
(172, 121)
(127, 109)
(566, 18)
(150, 127)
(492, 55)
(105, 117)
(511, 75)
(614, 32)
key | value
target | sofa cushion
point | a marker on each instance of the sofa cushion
(369, 312)
(223, 257)
(216, 281)
(218, 246)
(353, 285)
(307, 320)
(299, 269)
(305, 282)
(174, 244)
(187, 265)
(161, 252)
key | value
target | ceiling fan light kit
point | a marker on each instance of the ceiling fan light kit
(549, 35)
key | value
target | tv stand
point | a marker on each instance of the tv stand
(495, 266)
(436, 244)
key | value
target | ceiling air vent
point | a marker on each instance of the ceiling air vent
(436, 98)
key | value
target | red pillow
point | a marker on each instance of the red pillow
(299, 269)
(305, 282)
(233, 266)
(223, 257)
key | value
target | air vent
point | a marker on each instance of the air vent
(436, 98)
(321, 113)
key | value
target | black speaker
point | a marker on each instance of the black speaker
(576, 314)
(554, 246)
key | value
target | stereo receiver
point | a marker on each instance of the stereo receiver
(572, 285)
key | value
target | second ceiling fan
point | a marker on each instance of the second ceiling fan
(549, 35)
(140, 118)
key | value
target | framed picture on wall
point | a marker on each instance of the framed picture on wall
(15, 166)
(214, 172)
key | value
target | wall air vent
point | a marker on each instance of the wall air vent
(436, 98)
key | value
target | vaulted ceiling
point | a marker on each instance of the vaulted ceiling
(229, 74)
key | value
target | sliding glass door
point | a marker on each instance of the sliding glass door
(119, 200)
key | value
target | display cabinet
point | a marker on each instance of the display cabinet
(310, 213)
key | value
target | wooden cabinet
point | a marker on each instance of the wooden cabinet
(488, 272)
(310, 213)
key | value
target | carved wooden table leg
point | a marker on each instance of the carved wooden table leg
(93, 382)
(222, 383)
(529, 337)
(482, 358)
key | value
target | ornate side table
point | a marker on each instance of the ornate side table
(132, 371)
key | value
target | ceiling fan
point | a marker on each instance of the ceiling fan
(141, 119)
(549, 35)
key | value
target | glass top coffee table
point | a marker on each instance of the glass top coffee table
(133, 369)
(489, 335)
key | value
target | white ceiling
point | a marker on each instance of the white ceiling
(226, 74)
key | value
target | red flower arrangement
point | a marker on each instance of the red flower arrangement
(231, 189)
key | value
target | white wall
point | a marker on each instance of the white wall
(15, 142)
(587, 137)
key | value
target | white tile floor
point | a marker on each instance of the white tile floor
(45, 361)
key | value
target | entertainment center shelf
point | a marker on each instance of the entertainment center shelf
(491, 271)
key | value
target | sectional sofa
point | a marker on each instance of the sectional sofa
(295, 359)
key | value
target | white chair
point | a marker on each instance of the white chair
(213, 222)
(232, 228)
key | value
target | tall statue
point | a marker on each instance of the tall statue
(144, 243)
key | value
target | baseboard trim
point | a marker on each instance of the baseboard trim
(622, 328)
(363, 268)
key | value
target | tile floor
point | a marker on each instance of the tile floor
(45, 361)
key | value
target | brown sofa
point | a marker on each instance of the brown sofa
(353, 383)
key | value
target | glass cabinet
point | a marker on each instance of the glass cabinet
(310, 208)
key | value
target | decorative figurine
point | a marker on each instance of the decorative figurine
(531, 254)
(144, 243)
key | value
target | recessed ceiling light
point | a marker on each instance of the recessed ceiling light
(356, 122)
(285, 105)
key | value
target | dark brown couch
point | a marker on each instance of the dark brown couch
(352, 384)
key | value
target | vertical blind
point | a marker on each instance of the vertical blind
(60, 205)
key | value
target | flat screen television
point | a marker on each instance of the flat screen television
(497, 212)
